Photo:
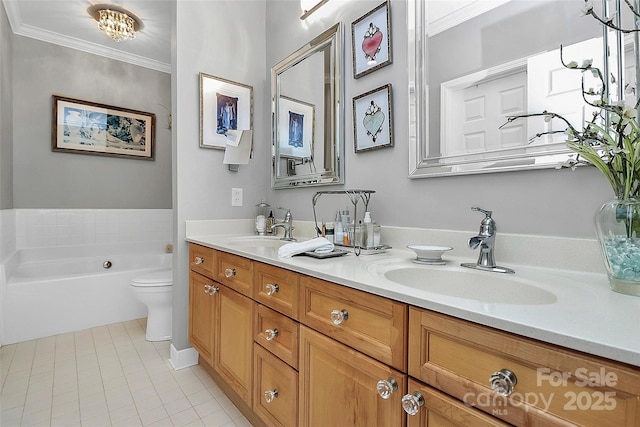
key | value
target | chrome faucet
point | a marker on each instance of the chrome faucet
(486, 241)
(286, 224)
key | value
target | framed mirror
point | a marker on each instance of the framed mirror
(307, 114)
(507, 62)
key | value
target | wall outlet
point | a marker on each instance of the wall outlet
(236, 197)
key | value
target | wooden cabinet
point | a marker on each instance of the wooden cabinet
(553, 385)
(325, 349)
(201, 312)
(374, 325)
(440, 410)
(338, 386)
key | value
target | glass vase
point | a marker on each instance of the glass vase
(618, 230)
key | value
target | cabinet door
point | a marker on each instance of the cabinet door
(234, 338)
(338, 386)
(202, 299)
(275, 396)
(440, 410)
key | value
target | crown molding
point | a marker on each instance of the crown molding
(21, 29)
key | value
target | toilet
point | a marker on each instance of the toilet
(155, 290)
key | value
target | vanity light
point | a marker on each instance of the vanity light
(310, 6)
(117, 23)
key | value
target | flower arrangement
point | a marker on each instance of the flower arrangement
(610, 141)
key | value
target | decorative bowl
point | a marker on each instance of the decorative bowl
(429, 252)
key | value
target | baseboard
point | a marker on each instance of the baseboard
(181, 359)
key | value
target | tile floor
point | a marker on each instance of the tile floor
(106, 376)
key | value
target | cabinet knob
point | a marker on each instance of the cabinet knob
(339, 316)
(211, 290)
(411, 403)
(503, 382)
(229, 272)
(386, 387)
(269, 395)
(270, 334)
(271, 288)
(199, 260)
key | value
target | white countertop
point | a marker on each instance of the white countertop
(585, 314)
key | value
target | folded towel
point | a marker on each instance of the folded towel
(319, 245)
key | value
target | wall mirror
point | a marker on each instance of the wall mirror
(506, 62)
(307, 114)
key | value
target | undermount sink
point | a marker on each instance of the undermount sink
(257, 242)
(458, 282)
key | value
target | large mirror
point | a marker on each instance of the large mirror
(307, 114)
(472, 63)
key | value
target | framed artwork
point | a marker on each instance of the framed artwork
(296, 124)
(86, 127)
(224, 105)
(371, 40)
(372, 119)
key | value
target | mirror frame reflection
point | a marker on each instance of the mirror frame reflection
(331, 118)
(424, 163)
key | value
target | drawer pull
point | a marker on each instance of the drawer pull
(269, 395)
(411, 403)
(339, 316)
(387, 387)
(503, 382)
(270, 334)
(199, 260)
(229, 272)
(271, 288)
(211, 290)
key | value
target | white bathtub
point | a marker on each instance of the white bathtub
(51, 291)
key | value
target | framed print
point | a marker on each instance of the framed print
(372, 119)
(224, 105)
(86, 127)
(296, 120)
(371, 40)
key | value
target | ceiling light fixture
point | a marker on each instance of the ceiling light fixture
(117, 23)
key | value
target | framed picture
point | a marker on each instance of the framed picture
(372, 119)
(371, 40)
(296, 124)
(85, 127)
(224, 105)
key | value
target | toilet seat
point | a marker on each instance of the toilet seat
(155, 278)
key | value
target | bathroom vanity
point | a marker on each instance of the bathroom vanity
(308, 342)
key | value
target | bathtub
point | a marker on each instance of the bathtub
(49, 291)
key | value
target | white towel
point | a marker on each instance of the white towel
(319, 245)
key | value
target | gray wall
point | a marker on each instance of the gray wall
(224, 38)
(548, 202)
(6, 114)
(46, 179)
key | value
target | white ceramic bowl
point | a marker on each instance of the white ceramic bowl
(429, 252)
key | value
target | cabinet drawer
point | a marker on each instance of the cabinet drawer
(234, 271)
(440, 409)
(202, 260)
(276, 288)
(285, 343)
(553, 385)
(374, 325)
(273, 375)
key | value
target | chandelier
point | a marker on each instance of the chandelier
(117, 23)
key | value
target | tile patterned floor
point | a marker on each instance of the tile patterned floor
(106, 376)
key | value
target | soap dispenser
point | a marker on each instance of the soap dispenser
(261, 218)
